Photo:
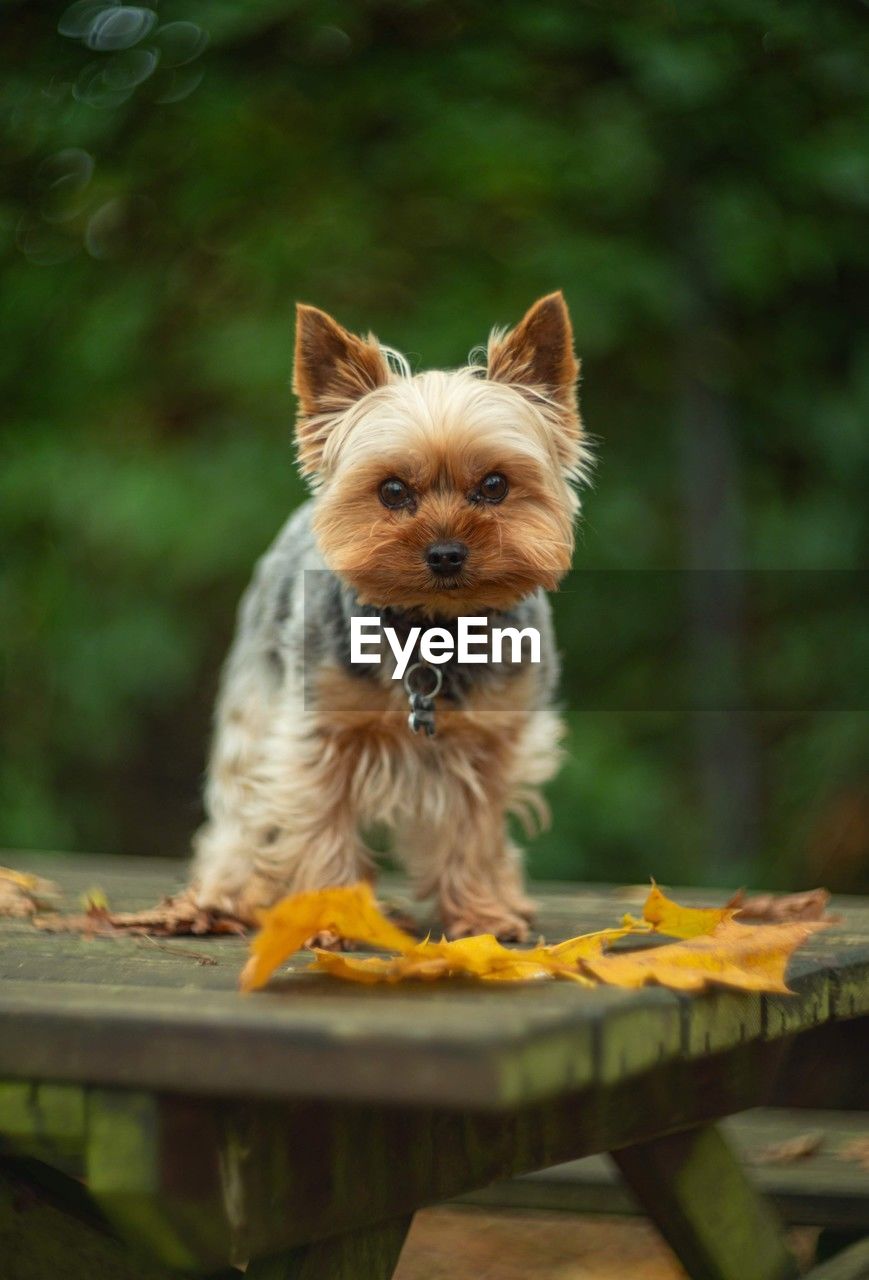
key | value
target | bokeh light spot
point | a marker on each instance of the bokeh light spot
(129, 69)
(103, 237)
(93, 88)
(330, 44)
(78, 20)
(63, 180)
(180, 43)
(70, 170)
(120, 28)
(41, 244)
(181, 84)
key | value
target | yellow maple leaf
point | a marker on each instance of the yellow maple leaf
(364, 969)
(592, 944)
(481, 956)
(747, 957)
(349, 911)
(666, 916)
(714, 948)
(21, 879)
(24, 895)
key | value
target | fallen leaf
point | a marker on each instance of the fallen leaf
(23, 895)
(747, 957)
(364, 969)
(350, 911)
(778, 908)
(94, 900)
(791, 1150)
(857, 1149)
(713, 950)
(482, 956)
(593, 944)
(666, 916)
(175, 916)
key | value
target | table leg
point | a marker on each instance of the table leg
(369, 1254)
(851, 1264)
(695, 1190)
(49, 1230)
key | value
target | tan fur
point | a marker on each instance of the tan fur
(297, 772)
(454, 429)
(305, 791)
(332, 368)
(538, 356)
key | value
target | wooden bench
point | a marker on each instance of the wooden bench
(806, 1163)
(156, 1123)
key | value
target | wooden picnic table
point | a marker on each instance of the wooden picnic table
(161, 1123)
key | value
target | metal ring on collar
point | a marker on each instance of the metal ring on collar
(412, 686)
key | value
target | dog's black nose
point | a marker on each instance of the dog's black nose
(446, 558)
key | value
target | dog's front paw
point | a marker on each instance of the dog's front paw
(508, 927)
(329, 940)
(523, 907)
(244, 902)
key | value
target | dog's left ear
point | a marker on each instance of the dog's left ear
(539, 353)
(332, 369)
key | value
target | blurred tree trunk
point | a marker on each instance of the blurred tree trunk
(727, 759)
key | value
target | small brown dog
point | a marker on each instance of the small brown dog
(436, 496)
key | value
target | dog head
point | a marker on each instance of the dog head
(442, 491)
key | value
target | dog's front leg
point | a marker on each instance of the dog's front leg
(300, 826)
(467, 861)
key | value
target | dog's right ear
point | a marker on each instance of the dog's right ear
(332, 369)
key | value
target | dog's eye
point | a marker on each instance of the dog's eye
(394, 493)
(493, 487)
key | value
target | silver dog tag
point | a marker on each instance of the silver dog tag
(422, 684)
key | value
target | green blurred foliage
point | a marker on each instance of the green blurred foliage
(696, 178)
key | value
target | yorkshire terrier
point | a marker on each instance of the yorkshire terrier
(436, 495)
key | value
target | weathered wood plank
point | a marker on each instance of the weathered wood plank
(305, 1093)
(823, 1188)
(851, 1264)
(49, 1114)
(122, 1012)
(144, 1170)
(827, 1068)
(40, 1237)
(696, 1191)
(482, 1048)
(198, 1180)
(371, 1254)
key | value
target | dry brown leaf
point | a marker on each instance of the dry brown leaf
(747, 957)
(22, 895)
(791, 1150)
(779, 908)
(858, 1150)
(175, 916)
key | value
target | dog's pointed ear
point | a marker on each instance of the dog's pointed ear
(538, 353)
(332, 369)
